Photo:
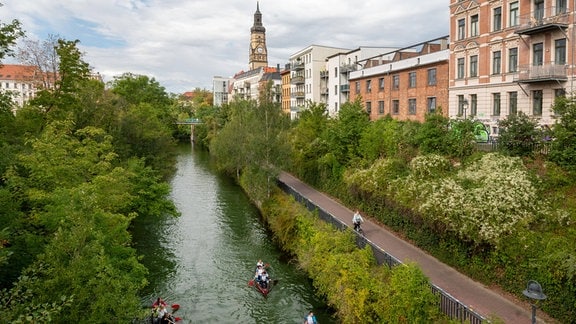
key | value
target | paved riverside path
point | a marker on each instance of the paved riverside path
(471, 293)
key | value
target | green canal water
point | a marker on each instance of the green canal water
(204, 259)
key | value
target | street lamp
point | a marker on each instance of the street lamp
(465, 107)
(534, 291)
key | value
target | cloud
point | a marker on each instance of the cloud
(183, 44)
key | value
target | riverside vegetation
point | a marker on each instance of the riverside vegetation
(502, 217)
(82, 161)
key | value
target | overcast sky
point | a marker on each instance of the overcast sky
(184, 43)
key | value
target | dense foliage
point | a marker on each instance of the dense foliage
(348, 277)
(80, 163)
(498, 216)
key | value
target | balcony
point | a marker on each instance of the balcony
(324, 91)
(297, 80)
(298, 66)
(543, 20)
(347, 68)
(324, 74)
(345, 88)
(297, 94)
(541, 73)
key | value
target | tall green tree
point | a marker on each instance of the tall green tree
(345, 133)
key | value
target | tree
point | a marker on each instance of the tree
(9, 35)
(135, 89)
(43, 57)
(345, 133)
(434, 135)
(563, 147)
(519, 135)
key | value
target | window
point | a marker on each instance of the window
(539, 10)
(357, 87)
(561, 6)
(460, 68)
(431, 104)
(368, 107)
(461, 29)
(395, 82)
(336, 89)
(412, 79)
(559, 93)
(560, 51)
(513, 59)
(460, 105)
(537, 54)
(495, 104)
(381, 84)
(473, 105)
(537, 102)
(431, 77)
(368, 85)
(335, 72)
(514, 14)
(395, 107)
(496, 62)
(474, 26)
(412, 106)
(474, 65)
(381, 107)
(512, 103)
(497, 19)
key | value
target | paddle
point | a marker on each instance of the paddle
(251, 283)
(175, 307)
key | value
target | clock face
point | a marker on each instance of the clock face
(259, 50)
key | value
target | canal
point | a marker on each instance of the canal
(204, 259)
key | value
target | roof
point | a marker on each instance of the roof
(16, 72)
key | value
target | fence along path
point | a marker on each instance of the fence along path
(462, 298)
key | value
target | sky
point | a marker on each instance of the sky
(183, 44)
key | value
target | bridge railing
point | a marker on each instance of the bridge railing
(449, 305)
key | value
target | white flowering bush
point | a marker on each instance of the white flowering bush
(430, 165)
(375, 179)
(487, 200)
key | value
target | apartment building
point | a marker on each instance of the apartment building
(20, 81)
(285, 76)
(247, 85)
(307, 85)
(220, 88)
(510, 56)
(406, 83)
(335, 85)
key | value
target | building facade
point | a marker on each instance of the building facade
(308, 76)
(285, 76)
(337, 74)
(220, 89)
(510, 56)
(406, 84)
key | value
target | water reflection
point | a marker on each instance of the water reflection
(204, 259)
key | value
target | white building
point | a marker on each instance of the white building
(220, 88)
(307, 83)
(337, 73)
(18, 80)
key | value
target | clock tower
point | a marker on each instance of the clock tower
(258, 52)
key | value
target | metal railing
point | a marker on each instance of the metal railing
(533, 73)
(449, 305)
(543, 18)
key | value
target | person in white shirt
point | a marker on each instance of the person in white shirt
(357, 220)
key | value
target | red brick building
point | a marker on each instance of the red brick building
(510, 56)
(406, 83)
